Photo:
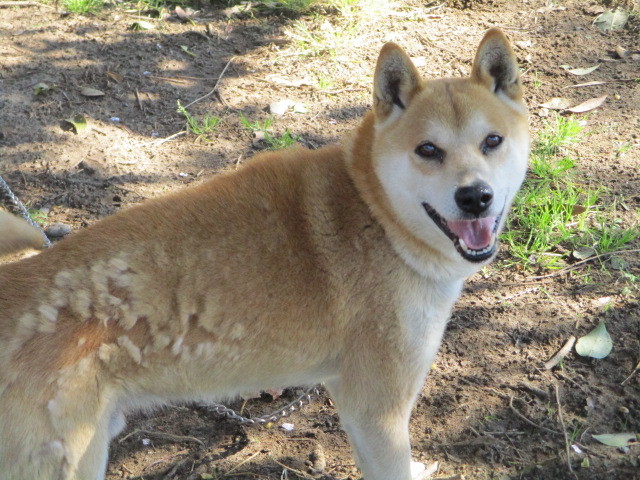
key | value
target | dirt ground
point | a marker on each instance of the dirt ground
(489, 409)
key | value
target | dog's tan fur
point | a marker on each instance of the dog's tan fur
(16, 234)
(297, 269)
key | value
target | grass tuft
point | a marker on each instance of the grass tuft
(274, 142)
(201, 128)
(555, 214)
(83, 6)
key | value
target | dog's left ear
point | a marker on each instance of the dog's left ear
(396, 81)
(495, 65)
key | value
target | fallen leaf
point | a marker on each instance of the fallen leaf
(91, 92)
(40, 88)
(300, 108)
(77, 123)
(582, 71)
(622, 52)
(557, 103)
(588, 84)
(142, 25)
(280, 107)
(609, 21)
(116, 77)
(615, 439)
(582, 253)
(183, 15)
(589, 105)
(595, 344)
(578, 209)
(186, 50)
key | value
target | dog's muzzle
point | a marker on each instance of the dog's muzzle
(475, 239)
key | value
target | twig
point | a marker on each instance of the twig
(215, 87)
(297, 472)
(140, 102)
(168, 436)
(577, 264)
(242, 463)
(157, 143)
(564, 430)
(563, 352)
(165, 459)
(632, 374)
(515, 411)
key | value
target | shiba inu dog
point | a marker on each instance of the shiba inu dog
(339, 265)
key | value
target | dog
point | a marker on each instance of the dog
(337, 266)
(17, 235)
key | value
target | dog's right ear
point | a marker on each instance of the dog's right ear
(16, 234)
(396, 81)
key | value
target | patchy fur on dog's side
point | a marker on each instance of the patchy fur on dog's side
(339, 265)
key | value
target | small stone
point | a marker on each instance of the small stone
(58, 230)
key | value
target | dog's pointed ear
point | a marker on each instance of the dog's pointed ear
(495, 65)
(396, 81)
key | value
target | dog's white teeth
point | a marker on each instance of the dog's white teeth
(472, 252)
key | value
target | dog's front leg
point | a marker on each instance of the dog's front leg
(377, 423)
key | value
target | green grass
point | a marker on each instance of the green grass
(202, 128)
(274, 142)
(83, 6)
(37, 216)
(555, 213)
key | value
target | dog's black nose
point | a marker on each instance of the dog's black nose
(474, 198)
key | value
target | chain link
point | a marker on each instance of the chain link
(284, 412)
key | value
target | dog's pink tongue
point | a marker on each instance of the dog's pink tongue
(476, 233)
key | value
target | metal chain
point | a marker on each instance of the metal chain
(285, 411)
(217, 408)
(18, 208)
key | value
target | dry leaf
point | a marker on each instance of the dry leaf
(615, 439)
(610, 21)
(91, 92)
(622, 52)
(116, 77)
(589, 105)
(557, 103)
(595, 344)
(588, 84)
(40, 88)
(77, 123)
(583, 71)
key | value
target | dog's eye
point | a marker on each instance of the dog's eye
(492, 141)
(429, 150)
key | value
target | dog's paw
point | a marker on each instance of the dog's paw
(420, 471)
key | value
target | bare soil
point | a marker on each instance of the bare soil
(489, 409)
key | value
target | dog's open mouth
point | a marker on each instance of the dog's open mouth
(475, 239)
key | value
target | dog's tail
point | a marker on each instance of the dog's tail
(16, 234)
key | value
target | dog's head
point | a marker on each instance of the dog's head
(448, 155)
